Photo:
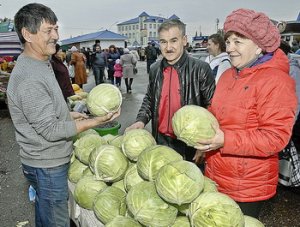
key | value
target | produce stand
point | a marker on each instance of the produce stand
(80, 216)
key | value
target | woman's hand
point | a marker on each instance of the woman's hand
(108, 117)
(214, 143)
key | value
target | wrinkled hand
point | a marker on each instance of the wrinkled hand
(79, 116)
(136, 125)
(214, 143)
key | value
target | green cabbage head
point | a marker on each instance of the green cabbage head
(117, 141)
(131, 177)
(209, 185)
(121, 221)
(192, 123)
(215, 209)
(179, 182)
(76, 170)
(147, 207)
(85, 145)
(252, 222)
(103, 99)
(135, 141)
(108, 163)
(182, 221)
(86, 190)
(110, 203)
(153, 158)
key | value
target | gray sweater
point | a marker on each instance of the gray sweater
(44, 128)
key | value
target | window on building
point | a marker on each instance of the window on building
(129, 27)
(154, 34)
(145, 26)
(137, 26)
(122, 28)
(129, 35)
(154, 26)
(150, 34)
(126, 28)
(150, 26)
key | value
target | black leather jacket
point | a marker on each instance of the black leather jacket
(197, 86)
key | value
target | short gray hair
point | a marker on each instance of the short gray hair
(166, 25)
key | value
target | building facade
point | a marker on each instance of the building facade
(142, 29)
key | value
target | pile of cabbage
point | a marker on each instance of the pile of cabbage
(129, 180)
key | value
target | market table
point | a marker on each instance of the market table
(80, 216)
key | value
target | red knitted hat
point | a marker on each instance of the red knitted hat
(255, 26)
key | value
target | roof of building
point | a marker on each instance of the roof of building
(101, 35)
(9, 44)
(149, 18)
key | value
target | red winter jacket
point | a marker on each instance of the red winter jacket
(256, 110)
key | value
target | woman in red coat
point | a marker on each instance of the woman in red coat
(255, 103)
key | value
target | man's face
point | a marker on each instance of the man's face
(43, 42)
(172, 44)
(98, 49)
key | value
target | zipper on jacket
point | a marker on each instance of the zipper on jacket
(170, 85)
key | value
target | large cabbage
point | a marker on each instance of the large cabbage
(131, 177)
(252, 222)
(108, 163)
(192, 123)
(121, 221)
(119, 184)
(104, 98)
(85, 145)
(110, 203)
(182, 221)
(135, 141)
(179, 182)
(76, 170)
(86, 190)
(147, 207)
(215, 209)
(209, 185)
(153, 158)
(117, 141)
(87, 132)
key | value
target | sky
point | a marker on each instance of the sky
(77, 17)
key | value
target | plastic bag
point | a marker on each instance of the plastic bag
(71, 71)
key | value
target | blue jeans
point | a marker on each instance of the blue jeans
(51, 201)
(99, 74)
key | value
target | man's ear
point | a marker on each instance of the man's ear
(26, 34)
(185, 40)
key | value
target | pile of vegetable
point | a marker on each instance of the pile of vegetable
(129, 180)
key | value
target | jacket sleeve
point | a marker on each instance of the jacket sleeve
(276, 105)
(207, 84)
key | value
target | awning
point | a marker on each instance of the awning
(10, 44)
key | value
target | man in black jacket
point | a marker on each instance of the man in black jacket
(174, 81)
(151, 55)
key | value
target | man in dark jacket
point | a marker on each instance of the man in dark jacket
(99, 62)
(151, 55)
(174, 81)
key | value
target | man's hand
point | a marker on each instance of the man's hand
(199, 157)
(136, 125)
(78, 116)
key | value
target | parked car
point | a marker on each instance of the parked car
(200, 53)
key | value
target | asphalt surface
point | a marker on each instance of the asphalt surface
(15, 209)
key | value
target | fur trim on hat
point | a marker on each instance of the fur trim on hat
(255, 26)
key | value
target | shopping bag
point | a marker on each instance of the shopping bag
(71, 71)
(289, 166)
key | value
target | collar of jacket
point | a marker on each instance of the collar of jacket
(178, 64)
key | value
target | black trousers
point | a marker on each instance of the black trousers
(186, 152)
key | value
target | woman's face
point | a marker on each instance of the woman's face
(241, 51)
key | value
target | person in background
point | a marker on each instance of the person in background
(118, 74)
(218, 59)
(255, 104)
(99, 62)
(151, 55)
(97, 43)
(61, 73)
(295, 46)
(128, 62)
(112, 56)
(174, 81)
(44, 127)
(78, 61)
(142, 54)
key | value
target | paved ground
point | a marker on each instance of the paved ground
(16, 210)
